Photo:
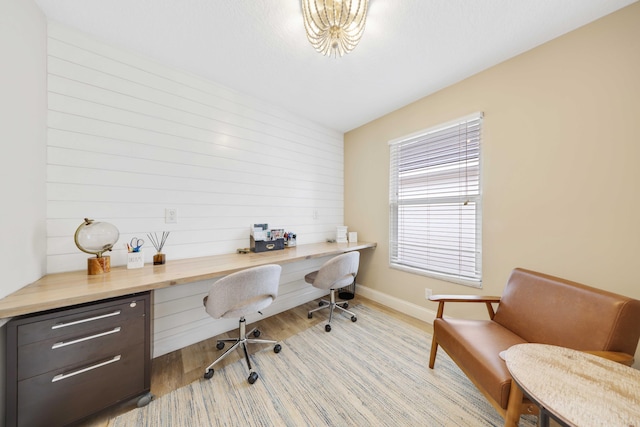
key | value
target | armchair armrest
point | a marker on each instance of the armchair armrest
(487, 300)
(464, 298)
(616, 356)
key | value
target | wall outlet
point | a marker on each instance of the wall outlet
(427, 293)
(171, 216)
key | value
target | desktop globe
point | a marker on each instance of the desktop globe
(96, 238)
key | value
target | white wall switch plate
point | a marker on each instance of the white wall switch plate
(171, 216)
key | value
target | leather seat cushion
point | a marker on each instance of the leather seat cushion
(475, 346)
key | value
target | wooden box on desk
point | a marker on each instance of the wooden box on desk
(266, 245)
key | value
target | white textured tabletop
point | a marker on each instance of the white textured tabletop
(579, 388)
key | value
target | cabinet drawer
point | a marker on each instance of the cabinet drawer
(79, 320)
(60, 397)
(46, 355)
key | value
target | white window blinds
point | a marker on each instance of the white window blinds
(435, 202)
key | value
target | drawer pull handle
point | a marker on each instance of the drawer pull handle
(60, 377)
(102, 334)
(90, 319)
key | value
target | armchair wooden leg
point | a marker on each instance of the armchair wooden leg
(514, 407)
(434, 343)
(434, 350)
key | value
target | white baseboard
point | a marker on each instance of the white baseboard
(403, 306)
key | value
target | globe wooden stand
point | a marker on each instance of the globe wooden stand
(98, 265)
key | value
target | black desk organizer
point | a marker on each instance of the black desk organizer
(266, 245)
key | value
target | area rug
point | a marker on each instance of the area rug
(373, 372)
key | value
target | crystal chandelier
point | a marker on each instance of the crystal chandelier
(334, 26)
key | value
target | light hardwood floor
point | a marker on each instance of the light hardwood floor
(184, 366)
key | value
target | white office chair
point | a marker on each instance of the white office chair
(237, 295)
(334, 274)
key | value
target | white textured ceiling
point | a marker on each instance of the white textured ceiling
(410, 48)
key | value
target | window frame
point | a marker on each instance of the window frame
(429, 136)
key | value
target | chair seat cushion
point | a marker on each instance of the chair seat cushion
(250, 306)
(311, 277)
(475, 346)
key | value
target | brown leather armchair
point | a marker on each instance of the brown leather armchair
(535, 308)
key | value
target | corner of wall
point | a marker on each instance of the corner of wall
(23, 106)
(23, 42)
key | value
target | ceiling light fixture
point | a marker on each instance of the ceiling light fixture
(334, 26)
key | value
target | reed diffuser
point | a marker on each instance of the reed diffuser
(158, 243)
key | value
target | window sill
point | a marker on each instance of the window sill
(439, 276)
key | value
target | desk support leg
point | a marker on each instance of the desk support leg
(543, 418)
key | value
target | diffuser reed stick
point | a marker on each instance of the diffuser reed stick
(158, 243)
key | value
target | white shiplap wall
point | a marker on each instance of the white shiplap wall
(128, 137)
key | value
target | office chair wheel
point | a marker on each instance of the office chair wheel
(208, 374)
(345, 305)
(327, 328)
(277, 348)
(321, 303)
(354, 318)
(220, 345)
(252, 377)
(310, 315)
(256, 333)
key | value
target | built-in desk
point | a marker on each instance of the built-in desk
(65, 289)
(85, 341)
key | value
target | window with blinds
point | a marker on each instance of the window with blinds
(435, 202)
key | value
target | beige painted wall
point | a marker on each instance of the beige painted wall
(561, 179)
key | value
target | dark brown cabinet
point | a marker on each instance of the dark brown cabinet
(64, 365)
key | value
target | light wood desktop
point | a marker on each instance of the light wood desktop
(65, 289)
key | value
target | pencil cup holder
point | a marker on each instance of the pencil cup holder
(135, 260)
(158, 259)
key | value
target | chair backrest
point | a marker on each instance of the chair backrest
(244, 292)
(338, 272)
(548, 310)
